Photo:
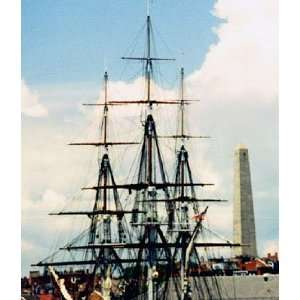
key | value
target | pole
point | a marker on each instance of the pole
(148, 62)
(105, 108)
(182, 277)
(182, 104)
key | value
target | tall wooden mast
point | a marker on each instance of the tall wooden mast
(106, 201)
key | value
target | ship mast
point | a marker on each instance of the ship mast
(152, 231)
(105, 110)
(182, 103)
(103, 257)
(100, 229)
(186, 194)
(148, 62)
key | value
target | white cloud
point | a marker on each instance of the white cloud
(27, 246)
(270, 246)
(242, 66)
(35, 212)
(237, 84)
(31, 105)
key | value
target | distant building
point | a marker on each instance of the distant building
(34, 274)
(243, 211)
(273, 258)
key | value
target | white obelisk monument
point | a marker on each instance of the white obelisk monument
(243, 211)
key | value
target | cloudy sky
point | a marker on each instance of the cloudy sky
(229, 51)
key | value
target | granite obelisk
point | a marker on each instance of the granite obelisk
(243, 210)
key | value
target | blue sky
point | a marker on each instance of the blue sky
(67, 41)
(233, 70)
